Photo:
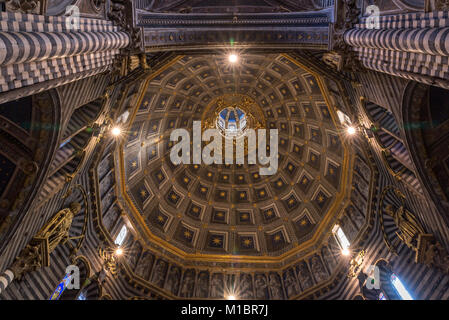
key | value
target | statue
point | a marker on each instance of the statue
(188, 284)
(349, 228)
(159, 273)
(334, 60)
(290, 283)
(328, 258)
(436, 5)
(318, 269)
(26, 6)
(143, 268)
(428, 250)
(408, 225)
(432, 253)
(304, 276)
(135, 254)
(355, 216)
(37, 252)
(260, 283)
(173, 280)
(202, 285)
(275, 286)
(246, 287)
(217, 286)
(56, 231)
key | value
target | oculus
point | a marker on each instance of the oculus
(231, 121)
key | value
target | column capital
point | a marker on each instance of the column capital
(341, 57)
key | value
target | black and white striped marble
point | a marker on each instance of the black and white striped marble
(38, 49)
(413, 46)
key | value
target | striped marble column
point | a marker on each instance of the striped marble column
(414, 46)
(20, 47)
(433, 41)
(41, 52)
(5, 279)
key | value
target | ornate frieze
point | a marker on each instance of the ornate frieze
(121, 14)
(285, 30)
(25, 6)
(436, 5)
(341, 57)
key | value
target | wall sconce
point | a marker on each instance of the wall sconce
(356, 264)
(110, 259)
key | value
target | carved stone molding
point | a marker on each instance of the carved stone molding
(25, 6)
(121, 14)
(346, 14)
(35, 255)
(346, 17)
(436, 5)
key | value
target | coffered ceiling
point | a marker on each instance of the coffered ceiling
(231, 211)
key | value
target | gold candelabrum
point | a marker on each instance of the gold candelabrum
(110, 259)
(356, 263)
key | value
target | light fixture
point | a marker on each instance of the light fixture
(345, 252)
(116, 131)
(351, 130)
(231, 297)
(118, 252)
(233, 58)
(356, 264)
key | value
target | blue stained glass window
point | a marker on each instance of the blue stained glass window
(240, 113)
(61, 287)
(81, 296)
(223, 114)
(232, 116)
(64, 143)
(382, 296)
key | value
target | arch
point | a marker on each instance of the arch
(412, 5)
(386, 275)
(427, 141)
(91, 291)
(29, 132)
